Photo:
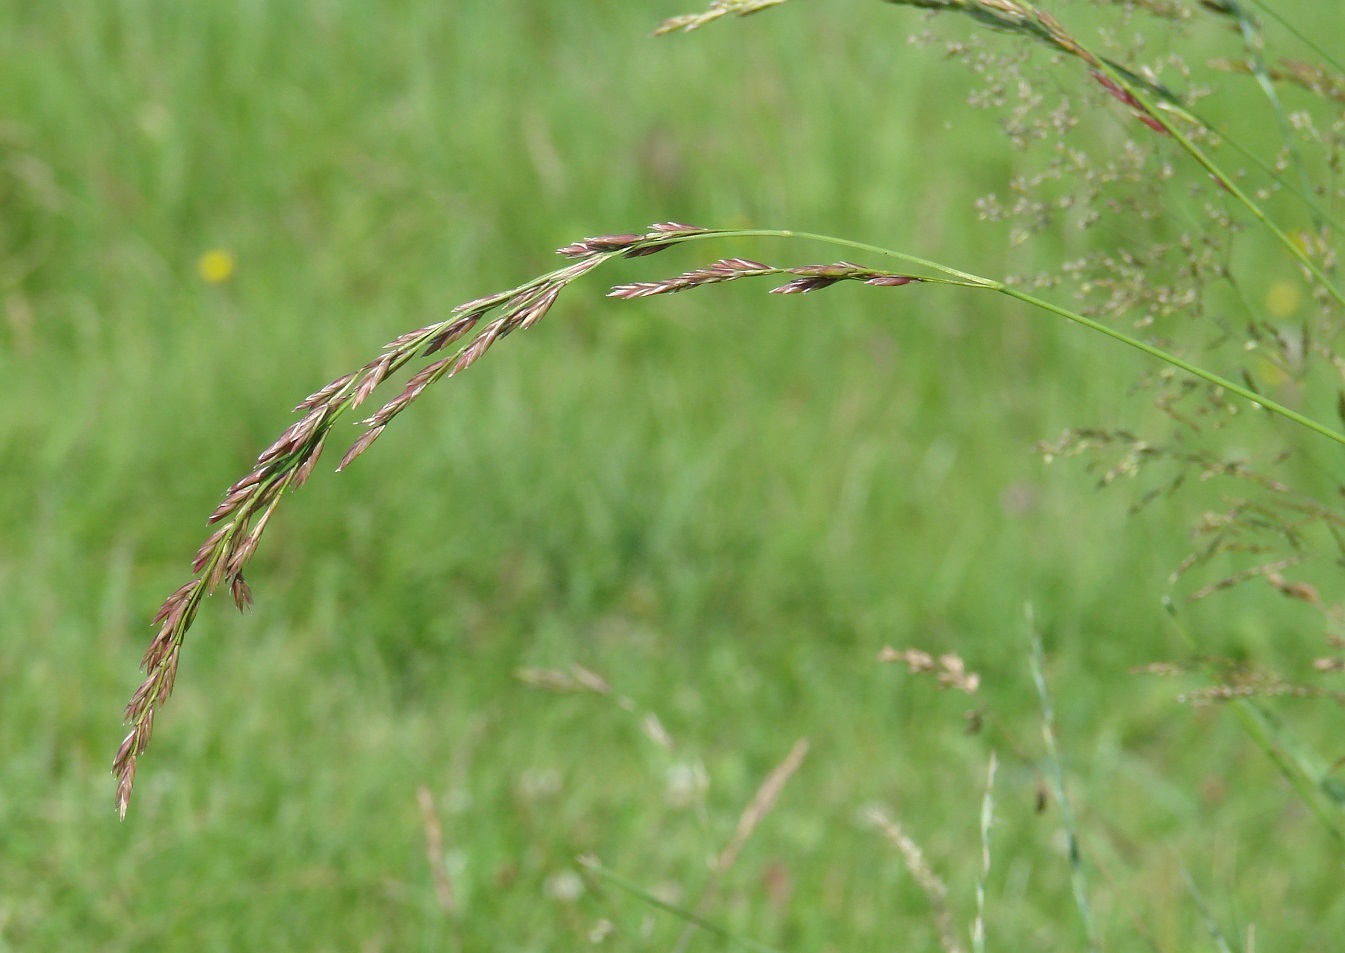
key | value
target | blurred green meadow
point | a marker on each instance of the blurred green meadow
(724, 504)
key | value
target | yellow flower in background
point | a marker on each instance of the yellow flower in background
(216, 266)
(1283, 299)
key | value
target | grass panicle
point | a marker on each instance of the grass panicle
(288, 462)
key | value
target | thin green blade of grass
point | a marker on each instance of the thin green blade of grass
(987, 821)
(1304, 770)
(1206, 914)
(1298, 34)
(595, 867)
(1056, 778)
(1253, 40)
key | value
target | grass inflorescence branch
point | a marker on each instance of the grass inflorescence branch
(248, 505)
(811, 278)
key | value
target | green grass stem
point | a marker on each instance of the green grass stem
(1273, 12)
(1055, 775)
(1206, 914)
(967, 279)
(983, 878)
(595, 867)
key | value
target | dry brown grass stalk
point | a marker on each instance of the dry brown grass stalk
(434, 850)
(930, 882)
(717, 9)
(757, 810)
(762, 804)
